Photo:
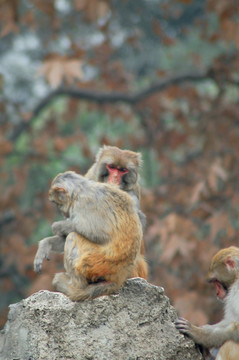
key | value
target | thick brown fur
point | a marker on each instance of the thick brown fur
(98, 172)
(130, 160)
(121, 158)
(105, 234)
(224, 274)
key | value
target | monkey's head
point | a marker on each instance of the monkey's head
(119, 167)
(62, 189)
(224, 270)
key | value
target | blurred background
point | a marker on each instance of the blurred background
(159, 77)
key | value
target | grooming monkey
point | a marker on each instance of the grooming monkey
(224, 274)
(104, 238)
(115, 166)
(121, 167)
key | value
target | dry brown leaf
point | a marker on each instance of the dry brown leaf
(5, 146)
(177, 245)
(218, 222)
(216, 172)
(58, 68)
(102, 10)
(10, 27)
(73, 70)
(55, 74)
(198, 191)
(80, 4)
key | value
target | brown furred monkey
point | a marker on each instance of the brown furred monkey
(104, 238)
(121, 167)
(116, 166)
(224, 274)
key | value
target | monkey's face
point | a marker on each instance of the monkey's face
(59, 196)
(223, 271)
(220, 288)
(118, 174)
(119, 167)
(62, 192)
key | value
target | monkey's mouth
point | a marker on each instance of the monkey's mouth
(221, 289)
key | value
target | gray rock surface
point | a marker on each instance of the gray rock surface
(135, 324)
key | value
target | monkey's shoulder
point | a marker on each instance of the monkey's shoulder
(115, 193)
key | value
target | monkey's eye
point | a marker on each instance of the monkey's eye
(111, 166)
(123, 170)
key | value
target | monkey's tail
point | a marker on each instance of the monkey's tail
(141, 268)
(92, 291)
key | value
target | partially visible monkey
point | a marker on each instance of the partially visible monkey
(121, 167)
(104, 238)
(115, 166)
(224, 274)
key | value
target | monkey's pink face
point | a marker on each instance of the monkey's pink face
(115, 174)
(220, 289)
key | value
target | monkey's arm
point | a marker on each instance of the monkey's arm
(92, 227)
(46, 246)
(209, 335)
(63, 227)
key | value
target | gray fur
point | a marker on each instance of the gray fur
(90, 201)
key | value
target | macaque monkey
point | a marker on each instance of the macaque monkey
(224, 274)
(121, 167)
(104, 238)
(114, 166)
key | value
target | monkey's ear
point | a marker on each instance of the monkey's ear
(59, 189)
(230, 263)
(99, 153)
(139, 159)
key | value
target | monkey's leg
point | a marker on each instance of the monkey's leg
(229, 350)
(65, 283)
(46, 246)
(61, 282)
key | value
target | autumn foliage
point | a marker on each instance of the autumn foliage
(156, 77)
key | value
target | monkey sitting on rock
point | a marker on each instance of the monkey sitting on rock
(105, 234)
(114, 166)
(224, 336)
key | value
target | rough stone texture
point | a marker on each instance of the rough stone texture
(135, 324)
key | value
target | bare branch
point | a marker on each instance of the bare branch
(102, 98)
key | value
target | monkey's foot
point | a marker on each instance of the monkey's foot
(61, 282)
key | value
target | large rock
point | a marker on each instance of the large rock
(135, 324)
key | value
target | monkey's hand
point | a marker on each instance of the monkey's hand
(45, 247)
(196, 333)
(43, 252)
(210, 336)
(63, 227)
(184, 326)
